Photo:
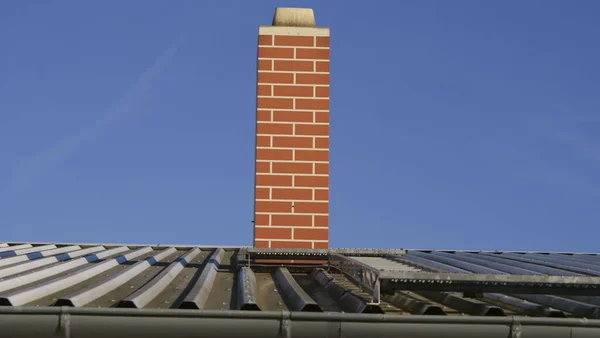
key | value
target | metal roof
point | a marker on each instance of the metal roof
(361, 281)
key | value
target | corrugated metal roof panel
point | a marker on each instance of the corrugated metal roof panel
(159, 277)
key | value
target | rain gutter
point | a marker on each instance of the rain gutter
(69, 322)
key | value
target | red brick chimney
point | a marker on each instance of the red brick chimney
(291, 208)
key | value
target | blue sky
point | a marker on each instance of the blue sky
(454, 124)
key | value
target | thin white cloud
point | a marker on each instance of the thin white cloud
(40, 164)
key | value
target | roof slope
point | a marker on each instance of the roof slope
(208, 278)
(411, 282)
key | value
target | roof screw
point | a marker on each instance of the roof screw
(131, 286)
(113, 301)
(166, 302)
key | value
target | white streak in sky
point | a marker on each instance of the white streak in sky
(132, 101)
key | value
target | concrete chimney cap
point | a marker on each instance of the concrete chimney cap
(294, 17)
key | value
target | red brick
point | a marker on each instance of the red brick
(293, 116)
(312, 155)
(317, 104)
(315, 79)
(292, 220)
(322, 91)
(291, 245)
(312, 129)
(263, 167)
(274, 154)
(321, 195)
(311, 181)
(263, 115)
(322, 117)
(294, 66)
(322, 142)
(293, 142)
(322, 168)
(292, 194)
(274, 128)
(264, 90)
(292, 168)
(274, 103)
(302, 91)
(263, 141)
(322, 66)
(273, 233)
(273, 207)
(273, 180)
(322, 41)
(262, 194)
(265, 40)
(321, 221)
(287, 40)
(265, 65)
(311, 234)
(275, 53)
(306, 53)
(261, 244)
(275, 77)
(311, 207)
(260, 219)
(321, 245)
